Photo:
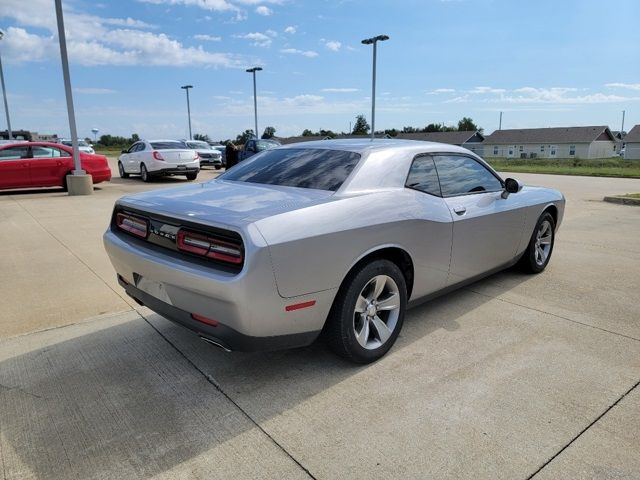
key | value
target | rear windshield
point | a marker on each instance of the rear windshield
(199, 145)
(168, 145)
(296, 167)
(266, 145)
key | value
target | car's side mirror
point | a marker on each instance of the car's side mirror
(124, 151)
(511, 185)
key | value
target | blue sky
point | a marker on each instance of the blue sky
(543, 63)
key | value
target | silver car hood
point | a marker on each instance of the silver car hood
(226, 202)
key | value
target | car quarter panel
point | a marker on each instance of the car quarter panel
(320, 244)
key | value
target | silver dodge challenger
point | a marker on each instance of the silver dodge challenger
(337, 237)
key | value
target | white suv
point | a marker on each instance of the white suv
(151, 158)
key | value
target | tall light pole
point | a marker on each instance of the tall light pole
(186, 88)
(374, 41)
(500, 126)
(4, 94)
(255, 98)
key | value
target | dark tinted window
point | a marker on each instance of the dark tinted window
(423, 176)
(304, 168)
(168, 145)
(14, 153)
(462, 175)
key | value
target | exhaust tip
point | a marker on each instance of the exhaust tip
(215, 343)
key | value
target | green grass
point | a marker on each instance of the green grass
(607, 167)
(632, 195)
(109, 151)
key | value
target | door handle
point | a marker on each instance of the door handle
(460, 210)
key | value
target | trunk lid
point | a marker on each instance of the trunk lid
(177, 156)
(226, 202)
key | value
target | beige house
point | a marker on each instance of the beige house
(632, 144)
(561, 142)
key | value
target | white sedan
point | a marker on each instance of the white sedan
(154, 158)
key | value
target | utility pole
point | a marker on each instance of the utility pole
(622, 128)
(186, 88)
(500, 126)
(4, 94)
(255, 98)
(374, 41)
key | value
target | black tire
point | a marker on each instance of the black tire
(144, 174)
(65, 185)
(344, 321)
(192, 176)
(532, 260)
(218, 167)
(121, 171)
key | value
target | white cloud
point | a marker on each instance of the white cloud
(207, 38)
(213, 5)
(271, 33)
(290, 30)
(257, 39)
(304, 53)
(438, 91)
(629, 86)
(333, 45)
(93, 91)
(486, 90)
(264, 11)
(533, 95)
(340, 90)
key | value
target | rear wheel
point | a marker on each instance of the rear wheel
(121, 171)
(218, 167)
(192, 176)
(144, 174)
(538, 253)
(367, 315)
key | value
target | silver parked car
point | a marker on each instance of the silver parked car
(340, 236)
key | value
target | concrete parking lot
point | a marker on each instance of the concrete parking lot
(513, 377)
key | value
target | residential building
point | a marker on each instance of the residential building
(632, 144)
(560, 142)
(471, 140)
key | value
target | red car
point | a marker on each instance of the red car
(41, 164)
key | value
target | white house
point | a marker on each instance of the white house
(561, 142)
(632, 144)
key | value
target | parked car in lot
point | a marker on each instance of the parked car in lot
(222, 150)
(253, 146)
(340, 236)
(82, 145)
(43, 164)
(156, 158)
(208, 155)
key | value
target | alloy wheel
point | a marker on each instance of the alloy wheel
(376, 312)
(544, 237)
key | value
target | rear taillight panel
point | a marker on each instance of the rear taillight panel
(209, 246)
(132, 224)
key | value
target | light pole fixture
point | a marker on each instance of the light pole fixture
(374, 41)
(255, 99)
(186, 88)
(4, 94)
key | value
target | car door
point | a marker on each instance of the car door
(129, 162)
(486, 227)
(14, 167)
(48, 166)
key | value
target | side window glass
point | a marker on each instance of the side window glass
(141, 147)
(463, 175)
(15, 153)
(134, 148)
(423, 176)
(42, 152)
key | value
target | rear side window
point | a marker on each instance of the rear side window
(463, 175)
(46, 152)
(423, 176)
(168, 145)
(14, 153)
(296, 167)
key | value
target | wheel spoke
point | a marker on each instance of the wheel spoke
(545, 240)
(540, 254)
(381, 281)
(381, 328)
(361, 304)
(363, 335)
(390, 303)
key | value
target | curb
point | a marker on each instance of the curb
(623, 200)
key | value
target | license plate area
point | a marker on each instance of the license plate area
(153, 288)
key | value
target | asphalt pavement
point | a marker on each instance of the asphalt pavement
(513, 377)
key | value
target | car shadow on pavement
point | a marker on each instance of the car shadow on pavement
(125, 402)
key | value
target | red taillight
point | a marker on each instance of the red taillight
(203, 319)
(157, 155)
(210, 247)
(197, 156)
(299, 306)
(133, 225)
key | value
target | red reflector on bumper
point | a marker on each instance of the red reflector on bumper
(208, 321)
(298, 306)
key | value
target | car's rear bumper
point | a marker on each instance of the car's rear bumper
(249, 312)
(101, 176)
(175, 171)
(220, 334)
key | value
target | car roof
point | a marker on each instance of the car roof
(363, 145)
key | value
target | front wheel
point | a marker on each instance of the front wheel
(368, 312)
(538, 253)
(121, 171)
(144, 174)
(192, 176)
